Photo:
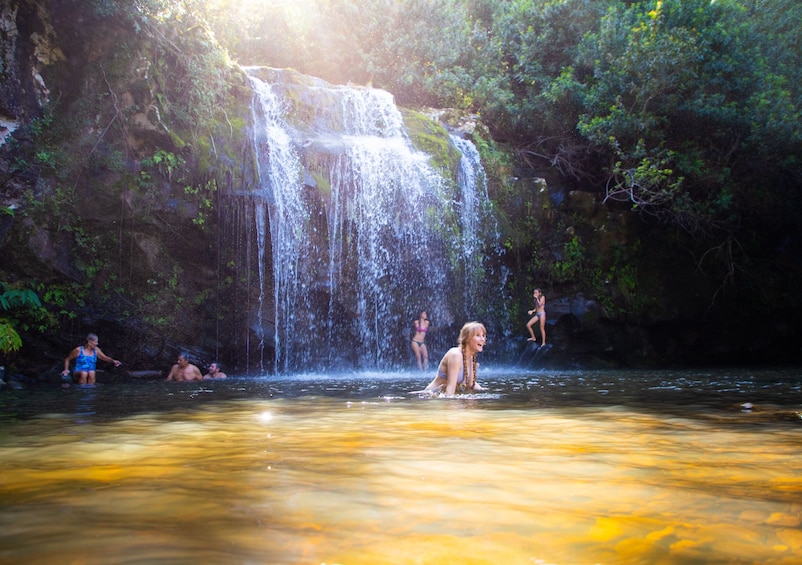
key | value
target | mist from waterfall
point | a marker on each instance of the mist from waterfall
(362, 231)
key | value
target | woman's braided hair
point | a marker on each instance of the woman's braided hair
(468, 331)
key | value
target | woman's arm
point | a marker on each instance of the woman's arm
(72, 355)
(103, 357)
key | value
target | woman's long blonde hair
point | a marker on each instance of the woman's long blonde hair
(467, 332)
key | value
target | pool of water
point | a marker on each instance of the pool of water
(549, 467)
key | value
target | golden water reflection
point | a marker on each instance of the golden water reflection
(325, 480)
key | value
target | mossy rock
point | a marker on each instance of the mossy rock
(430, 137)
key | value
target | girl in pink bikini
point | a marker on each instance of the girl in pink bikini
(539, 312)
(419, 328)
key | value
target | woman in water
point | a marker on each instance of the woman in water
(419, 328)
(86, 357)
(458, 366)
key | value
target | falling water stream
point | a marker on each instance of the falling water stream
(364, 231)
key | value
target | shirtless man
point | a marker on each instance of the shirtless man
(214, 372)
(183, 370)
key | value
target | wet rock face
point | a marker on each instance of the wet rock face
(77, 221)
(10, 85)
(27, 45)
(50, 251)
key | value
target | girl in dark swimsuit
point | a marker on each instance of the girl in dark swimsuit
(420, 327)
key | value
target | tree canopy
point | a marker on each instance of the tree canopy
(687, 109)
(686, 112)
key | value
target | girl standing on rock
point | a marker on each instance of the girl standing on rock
(539, 312)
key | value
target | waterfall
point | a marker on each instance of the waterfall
(282, 207)
(478, 223)
(363, 231)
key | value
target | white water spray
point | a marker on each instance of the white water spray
(364, 232)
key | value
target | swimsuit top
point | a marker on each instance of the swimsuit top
(85, 362)
(460, 375)
(420, 329)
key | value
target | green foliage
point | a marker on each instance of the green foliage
(9, 338)
(41, 124)
(192, 72)
(620, 283)
(161, 165)
(496, 160)
(161, 304)
(525, 49)
(164, 162)
(44, 150)
(569, 267)
(17, 297)
(172, 167)
(46, 159)
(204, 196)
(645, 179)
(61, 297)
(16, 300)
(672, 95)
(599, 90)
(421, 61)
(56, 212)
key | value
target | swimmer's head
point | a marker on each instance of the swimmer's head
(469, 330)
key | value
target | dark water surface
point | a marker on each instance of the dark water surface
(554, 467)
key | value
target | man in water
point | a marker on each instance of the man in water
(214, 372)
(183, 370)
